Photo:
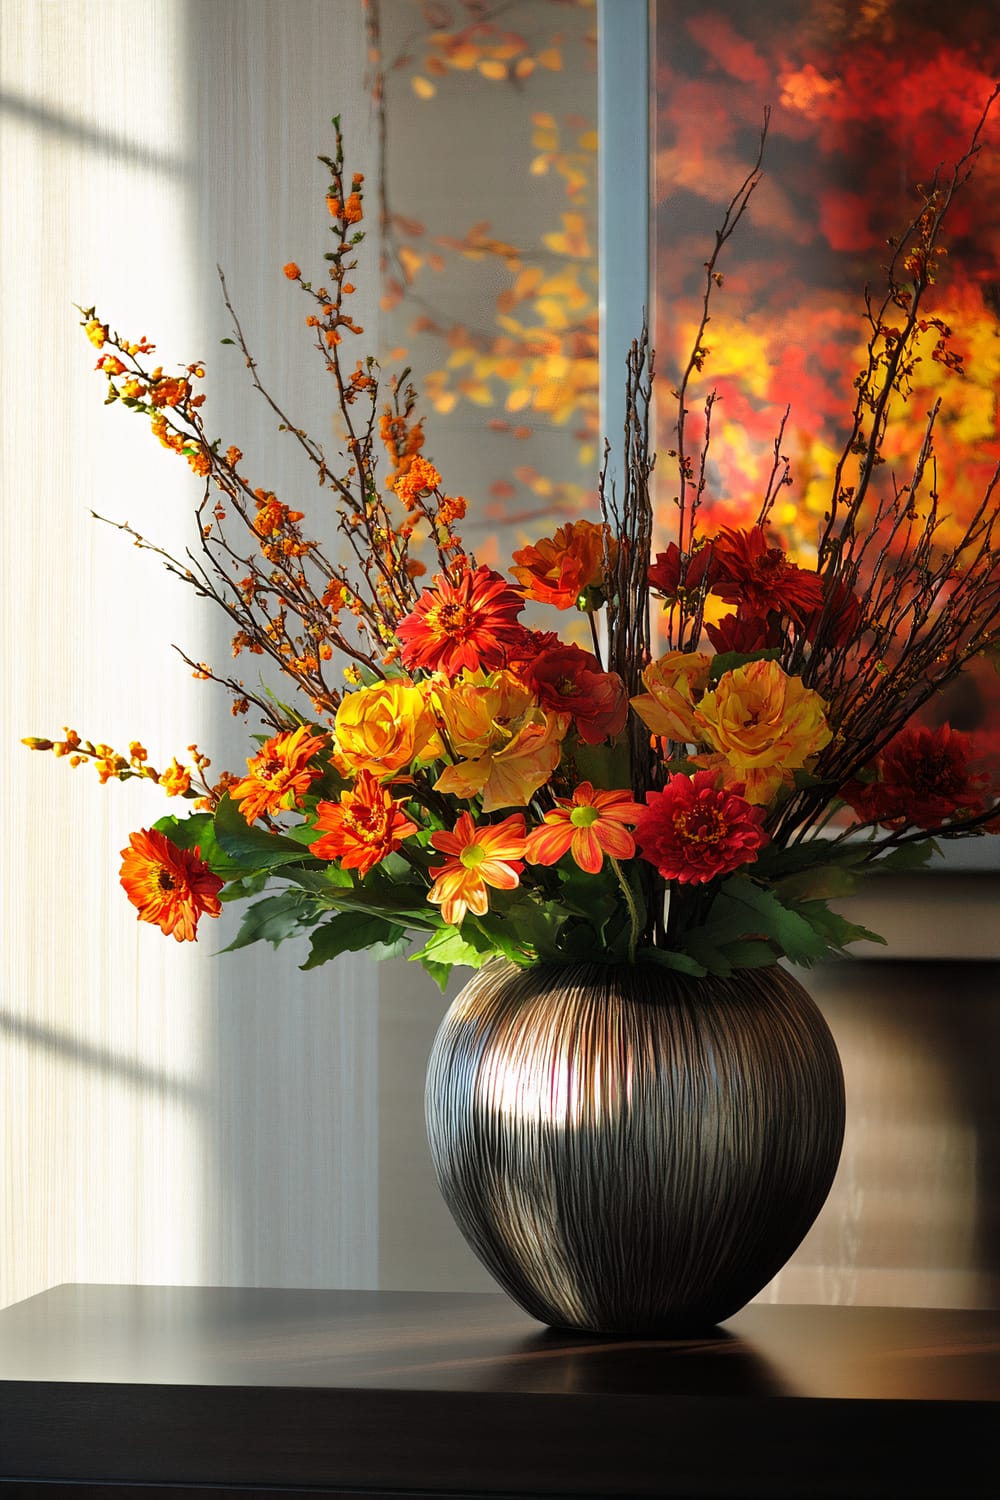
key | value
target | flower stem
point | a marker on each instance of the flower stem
(633, 910)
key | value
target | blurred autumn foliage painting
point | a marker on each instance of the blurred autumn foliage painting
(866, 99)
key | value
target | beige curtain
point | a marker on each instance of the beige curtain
(167, 1115)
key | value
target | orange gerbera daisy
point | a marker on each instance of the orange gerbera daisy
(363, 827)
(469, 624)
(171, 887)
(479, 857)
(560, 569)
(589, 825)
(279, 774)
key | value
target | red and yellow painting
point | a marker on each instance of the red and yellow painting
(866, 100)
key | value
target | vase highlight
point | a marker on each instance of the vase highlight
(629, 1150)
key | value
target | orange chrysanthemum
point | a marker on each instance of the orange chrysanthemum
(469, 624)
(560, 569)
(171, 887)
(420, 478)
(363, 827)
(279, 775)
(589, 825)
(478, 857)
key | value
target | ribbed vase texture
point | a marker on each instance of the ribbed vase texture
(629, 1150)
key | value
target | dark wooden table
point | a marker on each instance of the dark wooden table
(111, 1390)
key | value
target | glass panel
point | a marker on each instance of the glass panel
(489, 190)
(866, 100)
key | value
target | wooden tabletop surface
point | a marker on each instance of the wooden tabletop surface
(398, 1392)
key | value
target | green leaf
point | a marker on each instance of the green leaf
(394, 948)
(835, 930)
(453, 945)
(246, 886)
(348, 933)
(507, 934)
(906, 856)
(794, 936)
(774, 863)
(607, 765)
(440, 973)
(748, 954)
(667, 958)
(274, 919)
(252, 847)
(397, 906)
(330, 878)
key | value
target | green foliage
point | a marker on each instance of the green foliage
(250, 847)
(274, 919)
(350, 933)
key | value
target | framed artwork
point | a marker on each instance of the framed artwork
(861, 103)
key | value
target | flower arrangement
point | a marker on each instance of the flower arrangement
(735, 746)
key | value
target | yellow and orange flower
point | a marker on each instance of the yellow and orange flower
(175, 780)
(507, 745)
(420, 478)
(469, 624)
(384, 728)
(676, 682)
(764, 725)
(280, 774)
(170, 887)
(363, 827)
(560, 569)
(588, 825)
(492, 855)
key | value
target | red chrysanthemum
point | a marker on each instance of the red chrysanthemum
(568, 680)
(171, 887)
(693, 830)
(363, 827)
(528, 646)
(759, 579)
(470, 624)
(922, 778)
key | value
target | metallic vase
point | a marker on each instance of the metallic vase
(629, 1150)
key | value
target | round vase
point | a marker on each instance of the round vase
(627, 1149)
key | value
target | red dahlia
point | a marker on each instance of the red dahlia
(693, 830)
(923, 778)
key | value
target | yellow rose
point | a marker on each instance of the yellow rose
(675, 683)
(384, 728)
(507, 745)
(764, 724)
(480, 710)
